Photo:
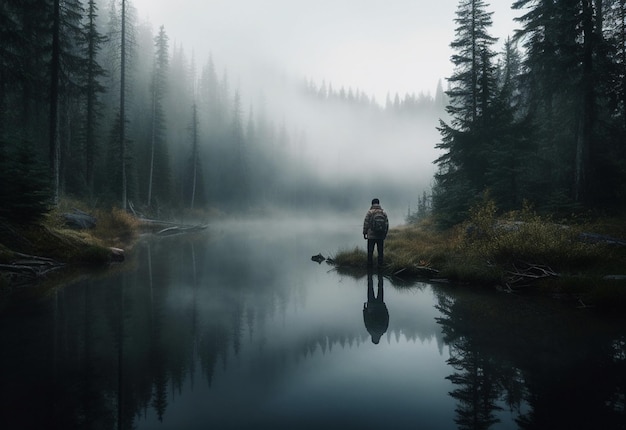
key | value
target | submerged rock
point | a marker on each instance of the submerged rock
(318, 258)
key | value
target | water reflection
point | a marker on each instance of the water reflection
(193, 328)
(549, 366)
(375, 313)
(481, 380)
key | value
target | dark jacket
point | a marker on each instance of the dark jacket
(367, 230)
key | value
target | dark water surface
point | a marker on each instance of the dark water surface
(237, 328)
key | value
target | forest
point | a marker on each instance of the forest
(542, 122)
(98, 106)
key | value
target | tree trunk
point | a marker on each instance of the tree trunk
(152, 144)
(584, 140)
(122, 106)
(55, 64)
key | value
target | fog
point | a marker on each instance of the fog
(370, 150)
(278, 53)
(381, 47)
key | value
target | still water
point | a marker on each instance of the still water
(237, 328)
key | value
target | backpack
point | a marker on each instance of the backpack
(378, 223)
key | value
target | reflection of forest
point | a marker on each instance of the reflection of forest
(547, 365)
(109, 351)
(112, 348)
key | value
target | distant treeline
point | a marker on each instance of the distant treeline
(408, 104)
(544, 124)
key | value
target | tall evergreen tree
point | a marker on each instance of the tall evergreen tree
(195, 170)
(122, 111)
(615, 19)
(239, 151)
(55, 71)
(12, 44)
(566, 58)
(464, 141)
(509, 162)
(158, 149)
(33, 74)
(93, 89)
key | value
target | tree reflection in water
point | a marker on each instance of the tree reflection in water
(554, 367)
(106, 352)
(481, 380)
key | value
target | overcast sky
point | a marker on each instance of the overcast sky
(377, 46)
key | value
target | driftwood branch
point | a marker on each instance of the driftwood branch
(169, 231)
(29, 268)
(524, 274)
(169, 228)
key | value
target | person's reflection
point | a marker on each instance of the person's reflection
(375, 314)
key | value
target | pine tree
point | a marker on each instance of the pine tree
(465, 140)
(473, 48)
(615, 19)
(567, 63)
(240, 162)
(55, 71)
(33, 47)
(509, 159)
(195, 170)
(158, 150)
(93, 89)
(25, 190)
(122, 122)
(12, 44)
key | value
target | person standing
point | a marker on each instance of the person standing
(375, 228)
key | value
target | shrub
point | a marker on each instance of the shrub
(115, 226)
(525, 236)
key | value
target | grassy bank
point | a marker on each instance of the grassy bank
(31, 250)
(515, 252)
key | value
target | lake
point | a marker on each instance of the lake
(236, 328)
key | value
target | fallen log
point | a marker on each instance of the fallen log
(601, 238)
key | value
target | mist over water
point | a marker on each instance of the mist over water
(359, 151)
(377, 50)
(236, 327)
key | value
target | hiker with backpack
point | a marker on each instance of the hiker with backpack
(375, 227)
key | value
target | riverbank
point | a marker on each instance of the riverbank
(521, 252)
(34, 251)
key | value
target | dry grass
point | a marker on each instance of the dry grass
(356, 257)
(52, 238)
(486, 248)
(527, 237)
(114, 226)
(409, 248)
